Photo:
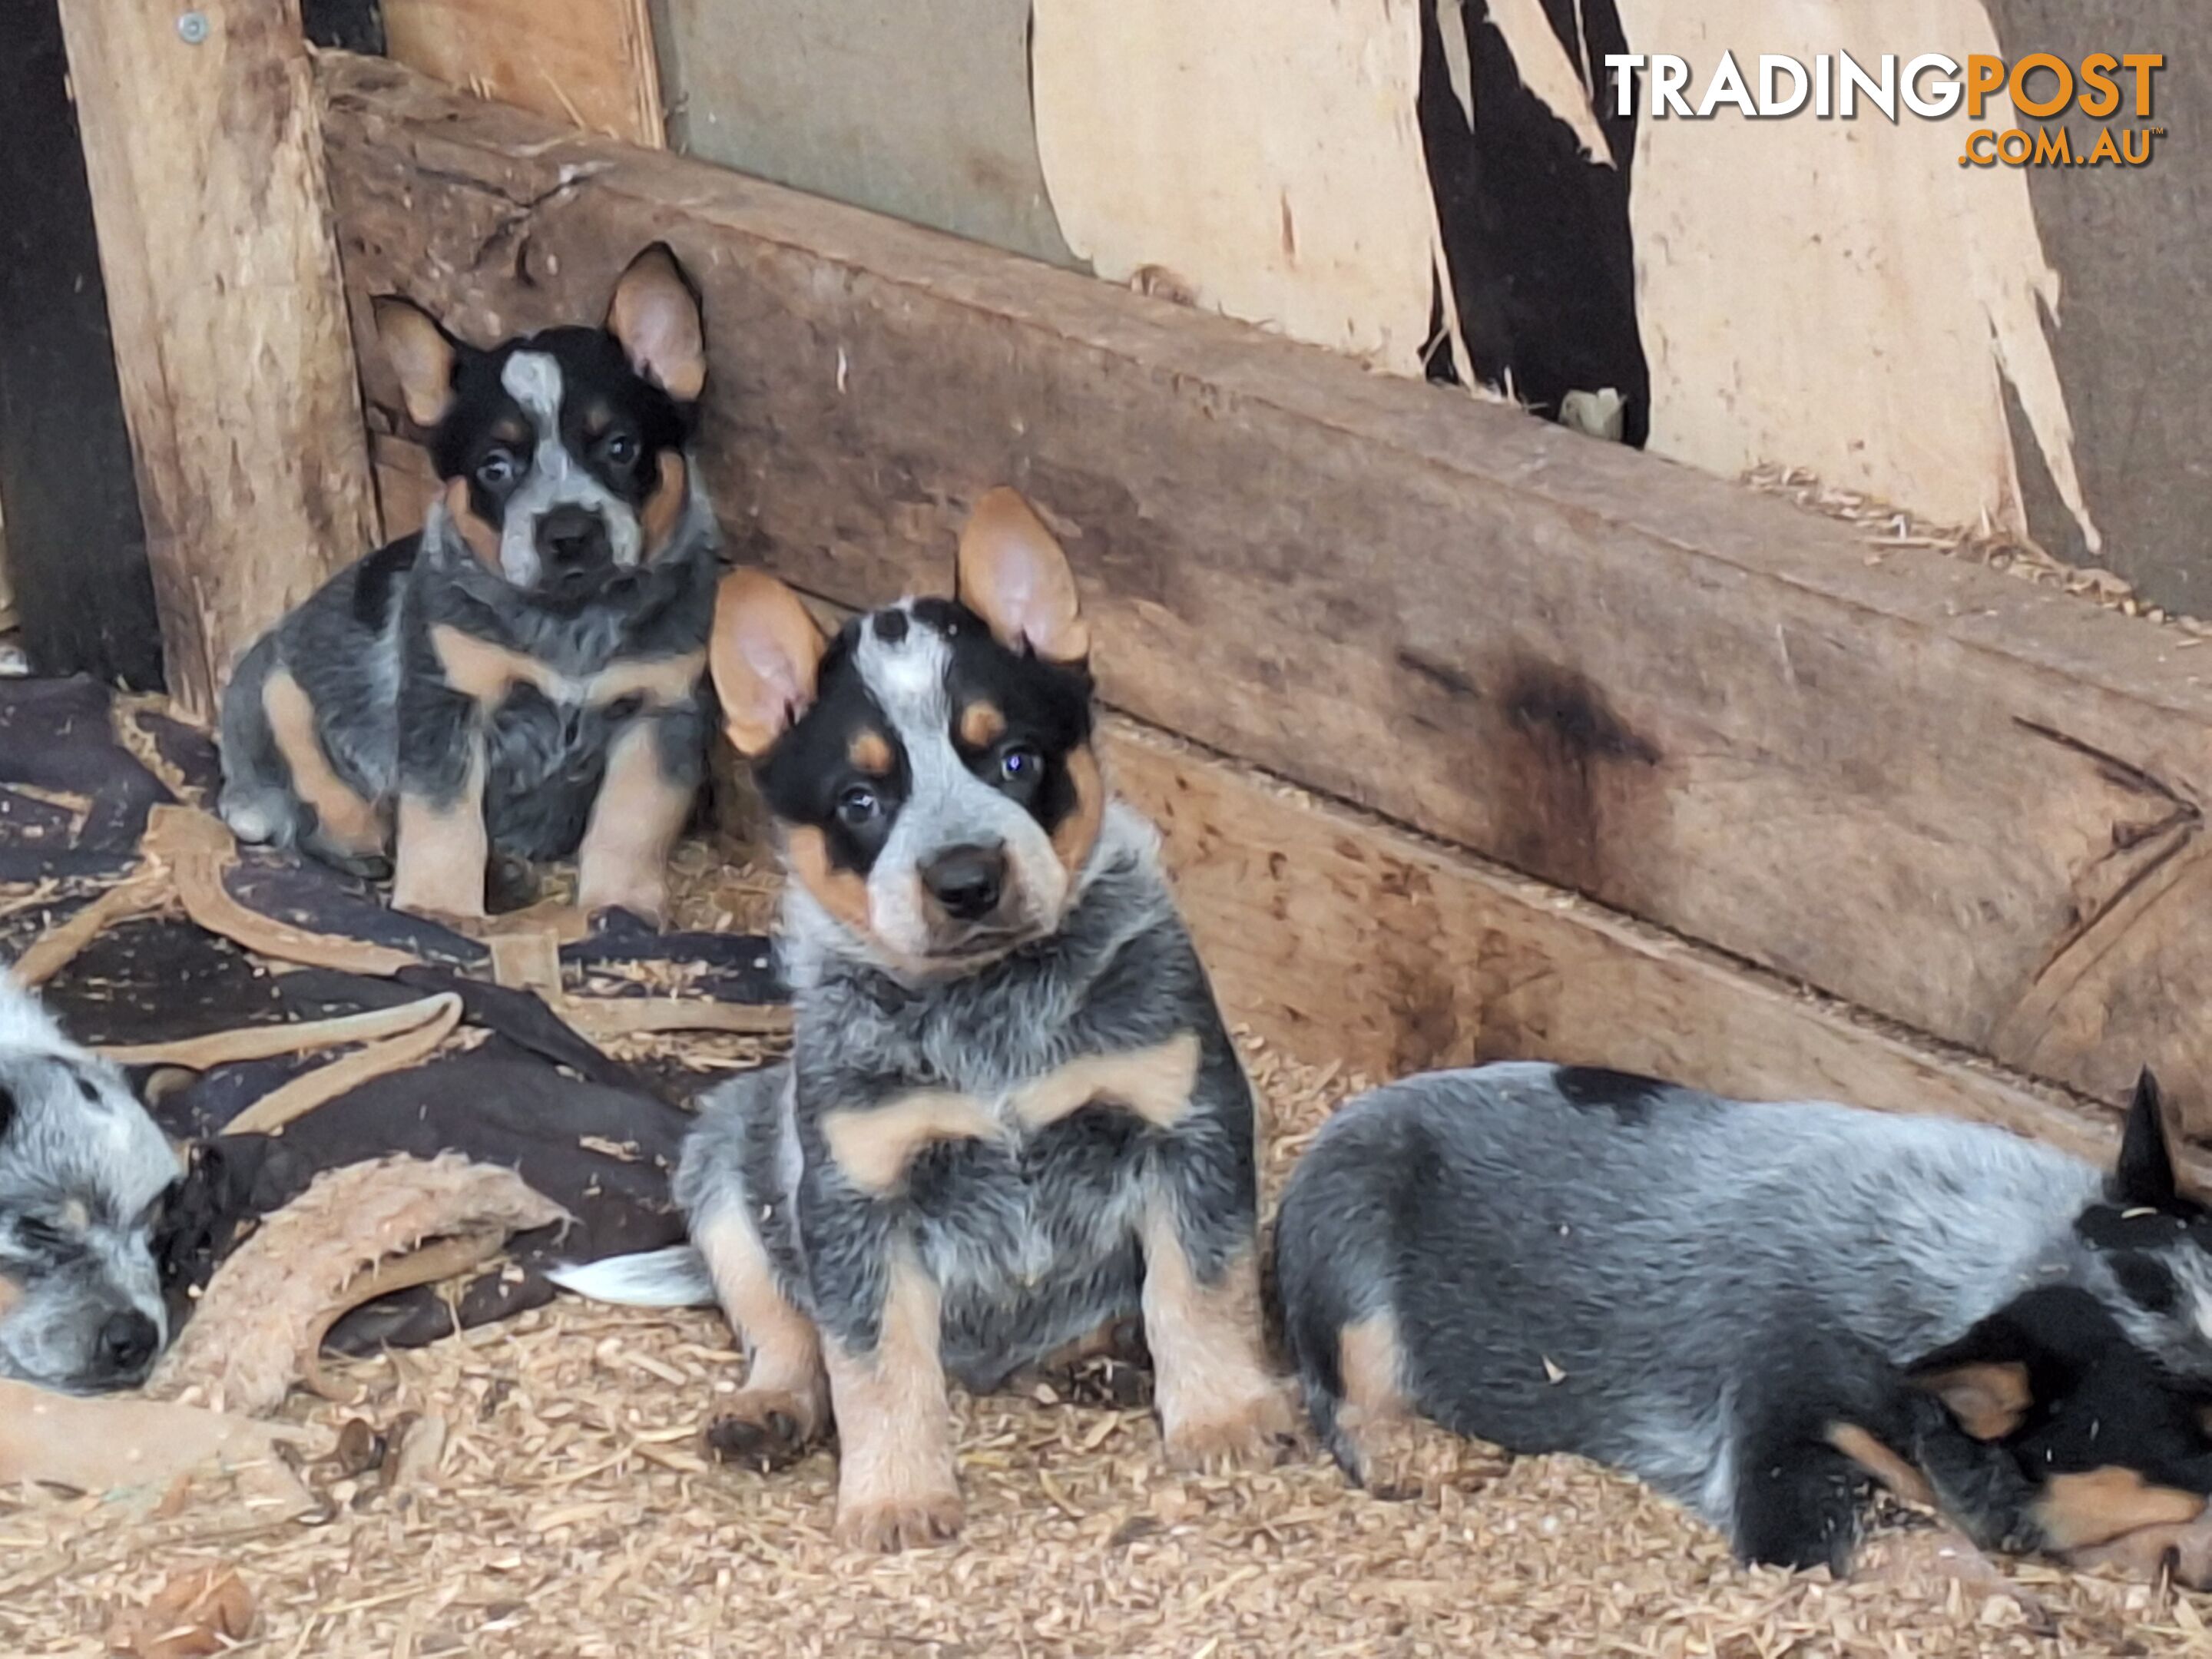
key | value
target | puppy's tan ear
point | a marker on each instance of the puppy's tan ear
(655, 314)
(1013, 575)
(765, 654)
(420, 353)
(1988, 1397)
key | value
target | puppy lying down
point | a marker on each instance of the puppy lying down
(1755, 1308)
(83, 1173)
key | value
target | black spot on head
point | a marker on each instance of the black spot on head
(1627, 1096)
(890, 626)
(7, 1110)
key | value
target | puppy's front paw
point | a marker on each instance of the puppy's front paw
(907, 1522)
(765, 1431)
(1254, 1432)
(1399, 1457)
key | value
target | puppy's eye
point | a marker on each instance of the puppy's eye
(497, 468)
(620, 448)
(859, 805)
(1020, 764)
(38, 1235)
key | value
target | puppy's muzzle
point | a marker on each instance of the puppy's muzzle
(967, 882)
(574, 544)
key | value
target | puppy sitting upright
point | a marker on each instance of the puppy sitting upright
(83, 1173)
(1013, 1113)
(525, 675)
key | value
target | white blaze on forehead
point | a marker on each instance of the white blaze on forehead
(558, 478)
(533, 379)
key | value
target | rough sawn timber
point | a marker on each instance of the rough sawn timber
(236, 366)
(1958, 801)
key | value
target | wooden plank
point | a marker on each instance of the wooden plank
(237, 373)
(1336, 937)
(76, 547)
(588, 63)
(1956, 800)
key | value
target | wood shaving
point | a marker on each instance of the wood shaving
(571, 1515)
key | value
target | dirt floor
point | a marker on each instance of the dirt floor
(570, 1511)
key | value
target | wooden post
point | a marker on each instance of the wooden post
(204, 155)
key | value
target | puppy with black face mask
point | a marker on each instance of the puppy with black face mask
(524, 677)
(1012, 1115)
(84, 1174)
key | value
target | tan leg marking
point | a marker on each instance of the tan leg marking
(2077, 1511)
(438, 863)
(896, 1488)
(11, 1293)
(635, 819)
(873, 1145)
(1154, 1083)
(982, 723)
(344, 819)
(664, 508)
(1078, 831)
(1400, 1452)
(841, 893)
(481, 539)
(1883, 1464)
(784, 1376)
(1219, 1406)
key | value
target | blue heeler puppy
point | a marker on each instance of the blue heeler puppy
(84, 1172)
(1751, 1307)
(1012, 1114)
(523, 677)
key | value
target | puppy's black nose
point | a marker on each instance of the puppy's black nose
(127, 1342)
(572, 538)
(967, 880)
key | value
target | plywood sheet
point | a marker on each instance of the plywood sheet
(1843, 294)
(1265, 153)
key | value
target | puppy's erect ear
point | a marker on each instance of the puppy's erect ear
(1013, 575)
(655, 315)
(420, 353)
(765, 657)
(2144, 1177)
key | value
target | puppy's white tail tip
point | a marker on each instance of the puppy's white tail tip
(674, 1278)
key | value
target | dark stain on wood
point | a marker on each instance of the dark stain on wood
(1569, 750)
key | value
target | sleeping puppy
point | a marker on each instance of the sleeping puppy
(83, 1173)
(1753, 1306)
(1013, 1114)
(524, 677)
